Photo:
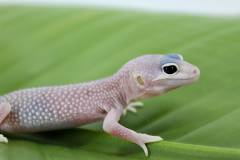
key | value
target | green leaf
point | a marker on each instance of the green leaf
(49, 46)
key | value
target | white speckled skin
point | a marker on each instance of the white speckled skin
(51, 108)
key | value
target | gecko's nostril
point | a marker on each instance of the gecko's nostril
(194, 71)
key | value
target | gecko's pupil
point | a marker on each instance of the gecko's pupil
(171, 69)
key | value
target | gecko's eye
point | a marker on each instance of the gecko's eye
(170, 68)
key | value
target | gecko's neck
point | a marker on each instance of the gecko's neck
(120, 93)
(118, 88)
(121, 87)
(127, 89)
(113, 88)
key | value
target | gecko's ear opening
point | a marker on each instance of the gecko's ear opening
(139, 80)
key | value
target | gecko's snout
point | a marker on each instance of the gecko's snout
(196, 73)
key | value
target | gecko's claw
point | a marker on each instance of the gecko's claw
(144, 138)
(132, 107)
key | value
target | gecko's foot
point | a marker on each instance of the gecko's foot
(3, 139)
(144, 138)
(132, 107)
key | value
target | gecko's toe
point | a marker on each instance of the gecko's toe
(149, 139)
(144, 147)
(144, 138)
(138, 104)
(3, 139)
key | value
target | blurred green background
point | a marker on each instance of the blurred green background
(42, 46)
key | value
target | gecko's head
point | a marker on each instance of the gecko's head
(152, 75)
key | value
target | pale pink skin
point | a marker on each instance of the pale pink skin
(59, 107)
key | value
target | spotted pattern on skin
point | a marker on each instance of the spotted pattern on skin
(41, 109)
(58, 107)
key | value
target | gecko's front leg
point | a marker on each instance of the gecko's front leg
(111, 126)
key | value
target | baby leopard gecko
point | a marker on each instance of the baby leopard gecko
(59, 107)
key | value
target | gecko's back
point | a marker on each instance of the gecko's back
(49, 108)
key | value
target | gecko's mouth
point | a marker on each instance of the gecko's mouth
(179, 82)
(191, 79)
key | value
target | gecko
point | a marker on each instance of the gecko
(65, 106)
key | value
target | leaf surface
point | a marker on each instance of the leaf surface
(42, 46)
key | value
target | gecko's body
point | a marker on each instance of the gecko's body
(51, 108)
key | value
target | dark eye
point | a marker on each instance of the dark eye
(170, 68)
